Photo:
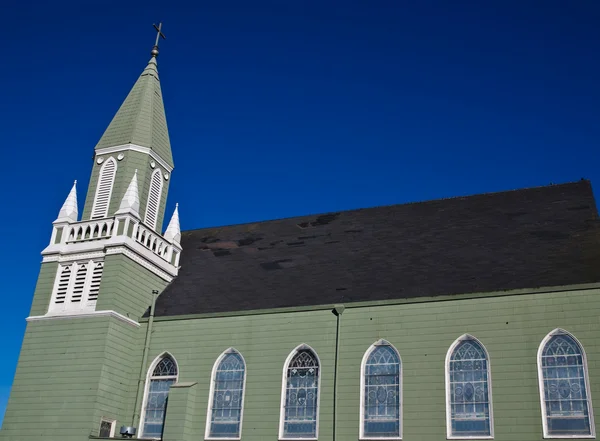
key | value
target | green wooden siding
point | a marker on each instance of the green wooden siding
(72, 372)
(43, 289)
(66, 378)
(127, 287)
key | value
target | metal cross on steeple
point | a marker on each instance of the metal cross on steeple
(159, 34)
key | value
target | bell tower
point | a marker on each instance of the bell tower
(79, 358)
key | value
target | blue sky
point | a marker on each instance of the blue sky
(281, 108)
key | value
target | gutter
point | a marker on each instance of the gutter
(338, 310)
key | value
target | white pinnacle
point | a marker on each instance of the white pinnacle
(69, 209)
(131, 199)
(173, 232)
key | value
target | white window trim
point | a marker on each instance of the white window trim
(112, 185)
(560, 331)
(288, 360)
(211, 396)
(160, 194)
(368, 352)
(113, 425)
(147, 388)
(489, 381)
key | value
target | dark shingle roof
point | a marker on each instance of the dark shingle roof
(546, 236)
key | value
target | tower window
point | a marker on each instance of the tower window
(106, 180)
(76, 287)
(154, 196)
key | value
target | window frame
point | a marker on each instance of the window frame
(288, 360)
(113, 425)
(212, 391)
(545, 340)
(157, 172)
(112, 187)
(367, 354)
(147, 389)
(451, 349)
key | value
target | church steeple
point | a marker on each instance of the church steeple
(141, 118)
(135, 141)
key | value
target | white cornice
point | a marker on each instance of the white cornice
(112, 245)
(141, 261)
(107, 313)
(135, 148)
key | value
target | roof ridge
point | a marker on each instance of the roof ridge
(563, 184)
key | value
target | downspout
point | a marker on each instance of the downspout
(142, 377)
(337, 311)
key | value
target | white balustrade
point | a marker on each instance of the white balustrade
(99, 229)
(89, 230)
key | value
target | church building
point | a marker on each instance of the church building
(464, 318)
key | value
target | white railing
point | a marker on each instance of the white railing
(89, 230)
(102, 229)
(153, 241)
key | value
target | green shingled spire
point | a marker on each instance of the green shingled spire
(141, 118)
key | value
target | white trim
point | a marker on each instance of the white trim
(380, 342)
(112, 245)
(99, 182)
(147, 387)
(298, 348)
(142, 260)
(135, 148)
(75, 315)
(489, 384)
(211, 397)
(560, 331)
(154, 224)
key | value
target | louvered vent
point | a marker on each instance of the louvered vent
(63, 285)
(79, 283)
(154, 199)
(77, 287)
(95, 284)
(104, 189)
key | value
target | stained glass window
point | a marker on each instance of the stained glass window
(301, 396)
(566, 402)
(163, 376)
(227, 396)
(468, 393)
(381, 392)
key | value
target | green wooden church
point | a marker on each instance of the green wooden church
(465, 318)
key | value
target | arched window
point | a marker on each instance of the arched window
(161, 375)
(154, 195)
(468, 390)
(106, 180)
(564, 387)
(380, 395)
(300, 395)
(226, 399)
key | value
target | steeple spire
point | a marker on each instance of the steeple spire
(141, 118)
(69, 211)
(173, 232)
(131, 199)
